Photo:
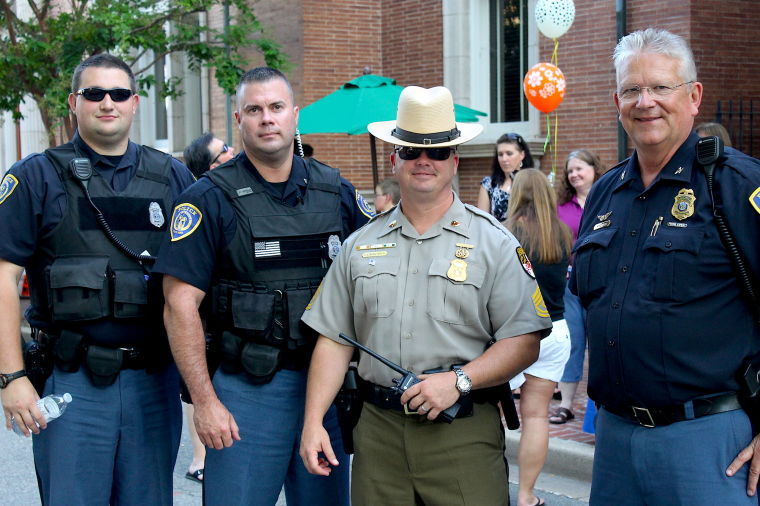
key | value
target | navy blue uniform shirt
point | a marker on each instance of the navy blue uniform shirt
(37, 201)
(666, 320)
(192, 259)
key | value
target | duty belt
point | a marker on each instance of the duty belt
(388, 398)
(695, 408)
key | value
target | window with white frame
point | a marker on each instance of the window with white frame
(488, 47)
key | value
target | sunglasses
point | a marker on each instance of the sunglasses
(225, 148)
(439, 154)
(97, 94)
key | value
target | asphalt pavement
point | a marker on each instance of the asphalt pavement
(18, 486)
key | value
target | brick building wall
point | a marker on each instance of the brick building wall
(331, 43)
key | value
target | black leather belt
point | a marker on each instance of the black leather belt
(387, 398)
(696, 408)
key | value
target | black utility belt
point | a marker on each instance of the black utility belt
(258, 361)
(71, 351)
(696, 408)
(388, 398)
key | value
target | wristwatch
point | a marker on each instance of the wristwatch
(464, 383)
(7, 378)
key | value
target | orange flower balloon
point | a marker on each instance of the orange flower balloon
(544, 86)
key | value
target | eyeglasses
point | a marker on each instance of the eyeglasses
(658, 91)
(97, 94)
(225, 148)
(439, 154)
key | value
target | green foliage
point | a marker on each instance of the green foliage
(38, 54)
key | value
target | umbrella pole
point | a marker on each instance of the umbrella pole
(373, 151)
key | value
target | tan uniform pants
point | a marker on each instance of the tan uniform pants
(406, 460)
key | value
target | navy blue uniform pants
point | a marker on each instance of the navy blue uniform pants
(253, 470)
(113, 445)
(682, 463)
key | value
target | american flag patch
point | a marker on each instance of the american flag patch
(264, 249)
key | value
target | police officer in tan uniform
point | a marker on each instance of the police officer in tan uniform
(432, 284)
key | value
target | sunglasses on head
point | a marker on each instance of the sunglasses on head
(225, 148)
(97, 94)
(439, 154)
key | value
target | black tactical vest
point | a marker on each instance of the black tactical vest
(79, 280)
(268, 273)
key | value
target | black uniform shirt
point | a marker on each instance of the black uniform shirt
(192, 259)
(666, 321)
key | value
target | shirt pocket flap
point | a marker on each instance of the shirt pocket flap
(79, 271)
(667, 239)
(382, 265)
(474, 273)
(595, 238)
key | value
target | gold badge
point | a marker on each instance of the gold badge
(463, 250)
(684, 204)
(457, 270)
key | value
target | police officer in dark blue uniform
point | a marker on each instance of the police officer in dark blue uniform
(668, 325)
(95, 304)
(254, 237)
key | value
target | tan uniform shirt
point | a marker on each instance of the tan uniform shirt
(430, 300)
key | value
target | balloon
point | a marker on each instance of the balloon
(554, 17)
(544, 86)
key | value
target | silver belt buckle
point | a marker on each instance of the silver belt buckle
(639, 414)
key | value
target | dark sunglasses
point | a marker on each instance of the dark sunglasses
(98, 94)
(225, 148)
(439, 154)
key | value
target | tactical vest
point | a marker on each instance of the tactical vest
(79, 280)
(269, 272)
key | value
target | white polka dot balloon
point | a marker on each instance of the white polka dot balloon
(554, 17)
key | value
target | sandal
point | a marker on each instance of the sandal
(562, 415)
(196, 475)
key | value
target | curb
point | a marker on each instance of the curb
(570, 459)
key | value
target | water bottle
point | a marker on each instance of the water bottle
(51, 408)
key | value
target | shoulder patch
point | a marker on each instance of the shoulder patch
(185, 220)
(7, 186)
(362, 205)
(754, 199)
(315, 296)
(539, 304)
(525, 262)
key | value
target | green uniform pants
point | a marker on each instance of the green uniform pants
(406, 460)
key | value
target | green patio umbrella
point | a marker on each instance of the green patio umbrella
(358, 103)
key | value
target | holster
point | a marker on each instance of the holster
(259, 361)
(349, 406)
(38, 362)
(508, 407)
(749, 394)
(103, 364)
(68, 349)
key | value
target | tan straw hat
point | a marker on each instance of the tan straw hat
(425, 119)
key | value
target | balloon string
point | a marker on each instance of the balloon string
(555, 57)
(554, 158)
(548, 132)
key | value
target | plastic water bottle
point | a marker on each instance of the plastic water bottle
(51, 408)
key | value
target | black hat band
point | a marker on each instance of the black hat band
(426, 139)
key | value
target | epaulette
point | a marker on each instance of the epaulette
(376, 216)
(487, 216)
